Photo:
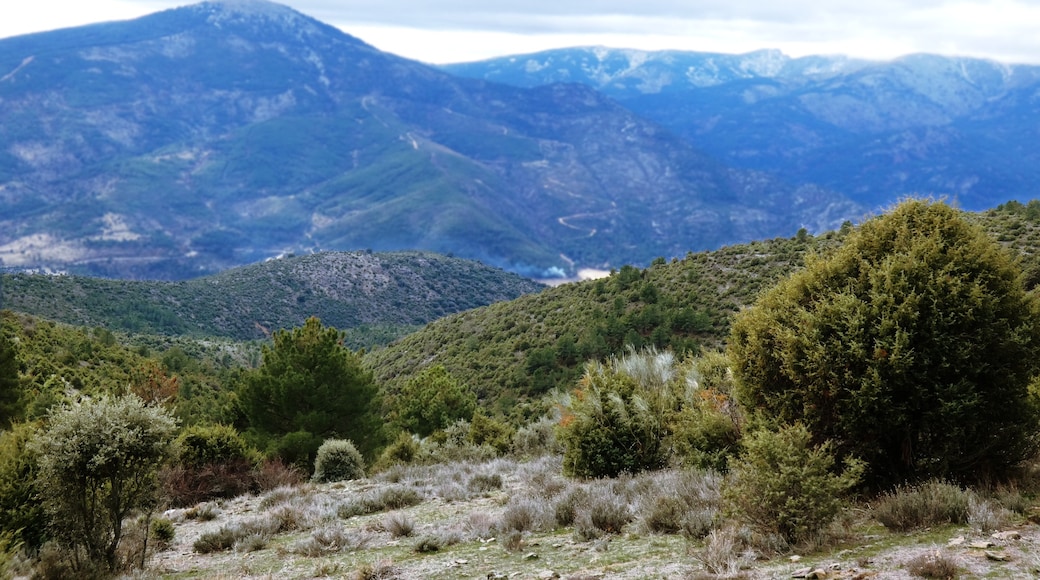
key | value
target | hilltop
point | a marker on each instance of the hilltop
(377, 296)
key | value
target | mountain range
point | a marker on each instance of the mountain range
(224, 133)
(219, 134)
(923, 124)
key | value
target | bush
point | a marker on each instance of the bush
(485, 431)
(432, 400)
(928, 504)
(610, 425)
(199, 446)
(783, 485)
(163, 532)
(97, 464)
(338, 460)
(911, 347)
(932, 565)
(21, 514)
(402, 451)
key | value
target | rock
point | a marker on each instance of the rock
(997, 556)
(1008, 535)
(547, 575)
(801, 573)
(530, 556)
(956, 541)
(795, 558)
(981, 545)
(817, 574)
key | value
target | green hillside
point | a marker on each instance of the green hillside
(521, 349)
(376, 296)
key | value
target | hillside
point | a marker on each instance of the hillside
(224, 133)
(874, 131)
(378, 296)
(520, 349)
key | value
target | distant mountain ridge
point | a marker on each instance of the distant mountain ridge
(223, 133)
(390, 293)
(875, 131)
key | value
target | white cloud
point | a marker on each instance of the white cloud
(453, 30)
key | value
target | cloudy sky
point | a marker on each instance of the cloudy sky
(440, 31)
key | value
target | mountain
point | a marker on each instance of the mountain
(517, 350)
(378, 296)
(223, 133)
(874, 131)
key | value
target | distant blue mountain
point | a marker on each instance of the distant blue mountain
(963, 128)
(223, 133)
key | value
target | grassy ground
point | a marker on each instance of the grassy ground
(508, 519)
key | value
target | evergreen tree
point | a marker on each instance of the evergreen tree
(10, 390)
(310, 388)
(911, 347)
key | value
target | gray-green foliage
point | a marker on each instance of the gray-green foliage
(785, 485)
(646, 409)
(911, 346)
(98, 460)
(338, 460)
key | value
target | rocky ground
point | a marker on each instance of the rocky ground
(500, 519)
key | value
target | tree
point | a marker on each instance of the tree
(98, 460)
(10, 389)
(432, 400)
(310, 388)
(911, 347)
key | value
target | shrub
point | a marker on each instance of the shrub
(199, 446)
(523, 515)
(163, 532)
(911, 347)
(928, 504)
(21, 514)
(428, 544)
(399, 525)
(402, 451)
(275, 473)
(97, 464)
(610, 425)
(606, 512)
(485, 431)
(784, 485)
(570, 504)
(535, 439)
(338, 460)
(217, 541)
(484, 483)
(932, 565)
(432, 400)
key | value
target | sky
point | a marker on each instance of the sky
(443, 31)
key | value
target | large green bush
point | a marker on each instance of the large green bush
(783, 485)
(202, 445)
(612, 424)
(98, 460)
(912, 347)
